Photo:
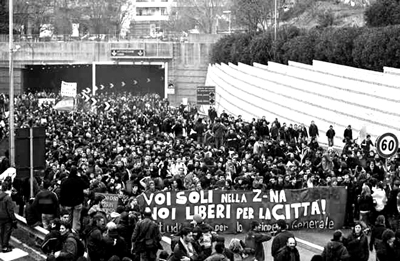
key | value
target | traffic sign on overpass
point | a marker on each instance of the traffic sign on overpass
(205, 95)
(127, 53)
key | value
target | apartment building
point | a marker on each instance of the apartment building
(149, 15)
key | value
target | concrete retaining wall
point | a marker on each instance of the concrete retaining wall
(301, 94)
(187, 61)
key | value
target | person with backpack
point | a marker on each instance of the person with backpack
(72, 247)
(335, 250)
(280, 238)
(146, 238)
(254, 239)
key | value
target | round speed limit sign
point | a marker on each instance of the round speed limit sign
(387, 145)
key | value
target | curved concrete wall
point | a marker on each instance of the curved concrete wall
(302, 93)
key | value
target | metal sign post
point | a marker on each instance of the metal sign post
(387, 146)
(31, 167)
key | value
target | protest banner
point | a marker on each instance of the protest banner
(232, 211)
(46, 101)
(68, 89)
(110, 203)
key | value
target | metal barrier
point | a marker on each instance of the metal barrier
(37, 231)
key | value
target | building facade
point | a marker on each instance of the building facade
(148, 17)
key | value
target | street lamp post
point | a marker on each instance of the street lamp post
(11, 87)
(275, 20)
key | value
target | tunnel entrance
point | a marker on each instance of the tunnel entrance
(109, 78)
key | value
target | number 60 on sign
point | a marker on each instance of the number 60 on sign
(387, 145)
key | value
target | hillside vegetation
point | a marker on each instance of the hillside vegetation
(310, 13)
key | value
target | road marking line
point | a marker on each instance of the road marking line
(309, 244)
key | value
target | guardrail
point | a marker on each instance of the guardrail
(37, 231)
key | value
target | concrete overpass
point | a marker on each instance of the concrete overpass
(185, 63)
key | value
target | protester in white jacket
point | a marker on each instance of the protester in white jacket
(379, 198)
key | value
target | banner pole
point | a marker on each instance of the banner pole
(31, 160)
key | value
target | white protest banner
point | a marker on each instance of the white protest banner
(46, 101)
(68, 89)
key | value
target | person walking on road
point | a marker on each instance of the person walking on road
(288, 252)
(7, 217)
(281, 238)
(146, 238)
(335, 250)
(254, 239)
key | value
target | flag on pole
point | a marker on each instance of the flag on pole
(66, 104)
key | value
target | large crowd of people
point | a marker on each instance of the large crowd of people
(142, 144)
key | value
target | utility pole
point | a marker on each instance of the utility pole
(11, 75)
(275, 20)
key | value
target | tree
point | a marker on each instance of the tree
(3, 17)
(33, 14)
(301, 48)
(335, 45)
(254, 15)
(383, 13)
(105, 16)
(201, 13)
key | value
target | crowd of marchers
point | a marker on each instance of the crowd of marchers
(141, 144)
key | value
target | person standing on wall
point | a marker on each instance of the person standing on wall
(331, 135)
(313, 130)
(72, 196)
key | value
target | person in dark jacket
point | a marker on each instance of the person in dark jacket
(335, 250)
(377, 232)
(288, 252)
(330, 134)
(46, 203)
(146, 238)
(212, 114)
(183, 249)
(396, 245)
(254, 239)
(69, 245)
(365, 204)
(115, 245)
(200, 128)
(385, 249)
(313, 130)
(348, 134)
(94, 238)
(357, 244)
(32, 216)
(71, 196)
(219, 130)
(7, 217)
(281, 238)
